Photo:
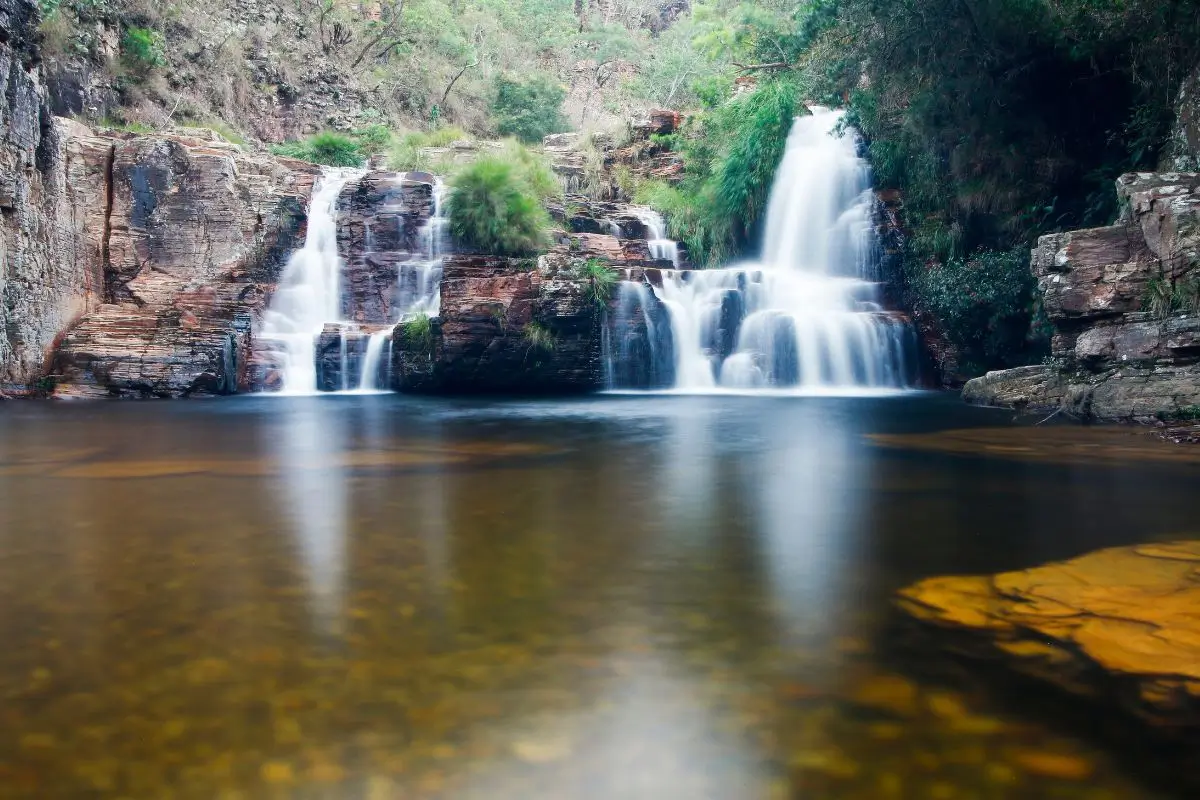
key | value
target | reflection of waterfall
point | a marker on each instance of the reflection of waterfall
(810, 315)
(308, 448)
(310, 290)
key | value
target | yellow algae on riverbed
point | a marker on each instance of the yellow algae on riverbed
(1058, 444)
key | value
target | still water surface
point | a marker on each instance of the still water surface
(615, 597)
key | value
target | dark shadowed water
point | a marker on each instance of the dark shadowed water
(617, 597)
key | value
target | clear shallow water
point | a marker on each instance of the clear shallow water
(621, 596)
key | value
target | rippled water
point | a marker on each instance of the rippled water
(617, 597)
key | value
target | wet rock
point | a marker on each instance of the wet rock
(1112, 359)
(1116, 624)
(380, 218)
(889, 693)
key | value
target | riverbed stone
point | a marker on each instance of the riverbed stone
(1118, 624)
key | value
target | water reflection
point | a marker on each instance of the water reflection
(620, 597)
(307, 443)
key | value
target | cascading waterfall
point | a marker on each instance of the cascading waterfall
(309, 295)
(419, 291)
(808, 315)
(309, 292)
(661, 248)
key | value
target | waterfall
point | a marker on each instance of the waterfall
(808, 316)
(309, 291)
(661, 248)
(309, 296)
(421, 280)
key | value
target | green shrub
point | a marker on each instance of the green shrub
(405, 154)
(328, 148)
(417, 334)
(493, 209)
(602, 280)
(986, 305)
(529, 110)
(141, 50)
(1162, 298)
(539, 338)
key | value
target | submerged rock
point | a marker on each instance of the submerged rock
(1119, 625)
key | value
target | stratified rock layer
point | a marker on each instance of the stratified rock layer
(1121, 624)
(52, 205)
(506, 325)
(193, 238)
(1114, 356)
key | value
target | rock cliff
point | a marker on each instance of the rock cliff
(129, 265)
(194, 237)
(51, 211)
(1125, 305)
(521, 325)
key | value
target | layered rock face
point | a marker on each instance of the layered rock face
(194, 237)
(1118, 625)
(381, 219)
(52, 203)
(1126, 344)
(520, 325)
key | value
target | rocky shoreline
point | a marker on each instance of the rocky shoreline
(1121, 348)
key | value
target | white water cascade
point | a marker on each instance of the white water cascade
(309, 295)
(310, 290)
(807, 316)
(418, 287)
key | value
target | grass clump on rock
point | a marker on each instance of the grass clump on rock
(328, 148)
(418, 333)
(495, 208)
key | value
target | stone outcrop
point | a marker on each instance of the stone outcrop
(1118, 625)
(380, 219)
(1115, 355)
(506, 325)
(191, 241)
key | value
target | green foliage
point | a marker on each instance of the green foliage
(528, 110)
(1162, 297)
(328, 147)
(418, 334)
(494, 209)
(142, 50)
(405, 151)
(602, 280)
(1188, 413)
(730, 157)
(538, 337)
(985, 305)
(227, 132)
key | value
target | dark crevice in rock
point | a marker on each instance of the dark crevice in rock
(108, 209)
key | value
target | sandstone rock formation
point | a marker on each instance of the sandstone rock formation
(380, 217)
(1120, 625)
(520, 325)
(51, 211)
(193, 238)
(1115, 358)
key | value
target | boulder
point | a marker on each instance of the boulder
(506, 325)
